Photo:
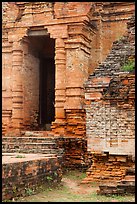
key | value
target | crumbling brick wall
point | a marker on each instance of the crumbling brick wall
(110, 19)
(111, 116)
(18, 177)
(110, 105)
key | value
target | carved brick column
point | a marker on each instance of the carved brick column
(77, 64)
(60, 86)
(77, 67)
(17, 92)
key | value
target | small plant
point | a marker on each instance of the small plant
(29, 191)
(55, 173)
(49, 189)
(20, 156)
(76, 175)
(14, 189)
(49, 178)
(120, 38)
(7, 201)
(129, 66)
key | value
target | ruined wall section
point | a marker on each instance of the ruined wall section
(110, 112)
(110, 72)
(110, 19)
(111, 116)
(121, 132)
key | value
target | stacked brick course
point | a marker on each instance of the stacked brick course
(108, 168)
(24, 174)
(75, 155)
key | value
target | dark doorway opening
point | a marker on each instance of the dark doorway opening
(47, 92)
(43, 47)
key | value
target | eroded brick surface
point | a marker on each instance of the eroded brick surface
(24, 174)
(110, 107)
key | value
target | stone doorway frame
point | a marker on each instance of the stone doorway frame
(17, 60)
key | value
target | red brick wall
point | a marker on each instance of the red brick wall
(111, 118)
(23, 176)
(30, 75)
(108, 168)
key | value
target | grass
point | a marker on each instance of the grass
(76, 175)
(129, 65)
(64, 192)
(20, 156)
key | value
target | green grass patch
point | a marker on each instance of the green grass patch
(20, 156)
(64, 192)
(129, 65)
(75, 175)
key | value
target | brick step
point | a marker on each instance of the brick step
(130, 171)
(31, 142)
(29, 145)
(12, 155)
(49, 134)
(125, 186)
(129, 177)
(37, 134)
(25, 139)
(42, 151)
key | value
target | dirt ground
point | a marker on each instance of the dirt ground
(72, 190)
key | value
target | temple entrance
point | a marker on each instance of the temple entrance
(43, 48)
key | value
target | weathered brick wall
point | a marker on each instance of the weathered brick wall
(110, 110)
(75, 154)
(110, 19)
(105, 127)
(23, 176)
(108, 168)
(30, 70)
(110, 115)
